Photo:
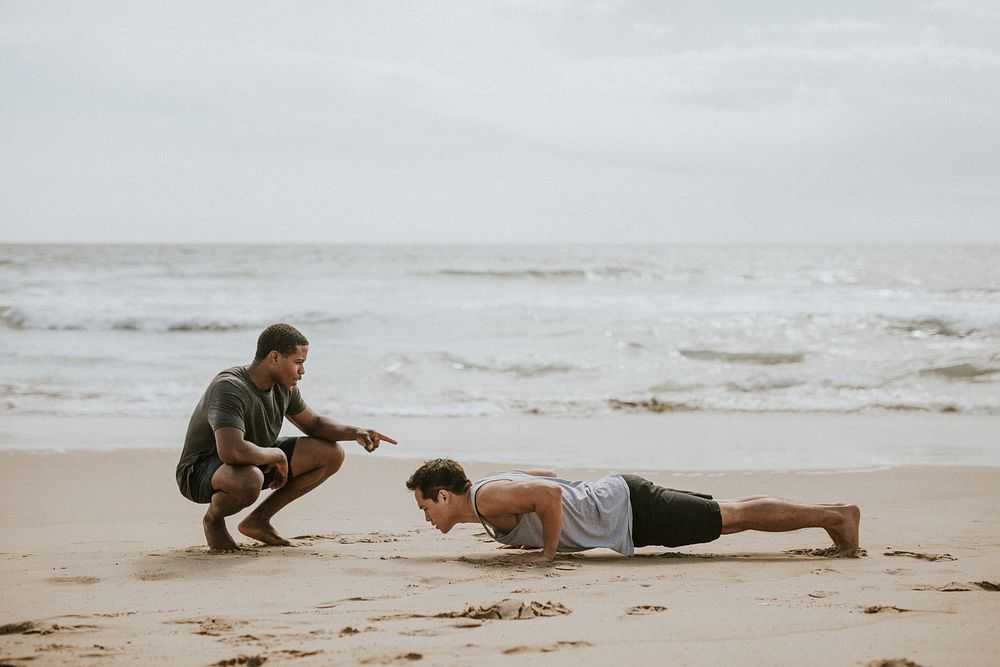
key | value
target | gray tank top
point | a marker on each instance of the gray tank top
(594, 514)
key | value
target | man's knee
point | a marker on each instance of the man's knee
(313, 453)
(334, 457)
(243, 483)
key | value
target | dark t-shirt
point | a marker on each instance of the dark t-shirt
(232, 399)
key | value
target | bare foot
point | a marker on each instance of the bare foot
(218, 538)
(845, 534)
(262, 531)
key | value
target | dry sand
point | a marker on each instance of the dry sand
(103, 563)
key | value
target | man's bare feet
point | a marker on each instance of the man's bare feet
(218, 538)
(845, 534)
(262, 531)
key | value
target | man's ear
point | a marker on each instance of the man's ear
(443, 495)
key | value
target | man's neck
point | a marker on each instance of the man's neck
(260, 377)
(467, 515)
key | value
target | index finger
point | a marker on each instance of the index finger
(386, 438)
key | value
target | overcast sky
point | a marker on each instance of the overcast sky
(535, 121)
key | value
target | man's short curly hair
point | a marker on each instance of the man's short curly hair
(436, 475)
(283, 338)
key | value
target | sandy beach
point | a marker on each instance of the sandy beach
(104, 563)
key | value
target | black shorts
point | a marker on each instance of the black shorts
(198, 477)
(669, 517)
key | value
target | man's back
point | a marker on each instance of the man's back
(594, 514)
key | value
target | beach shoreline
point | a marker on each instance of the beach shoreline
(691, 442)
(104, 563)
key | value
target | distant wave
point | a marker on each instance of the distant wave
(961, 371)
(16, 318)
(517, 370)
(931, 327)
(947, 408)
(651, 405)
(13, 391)
(762, 358)
(11, 318)
(603, 273)
(744, 386)
(654, 405)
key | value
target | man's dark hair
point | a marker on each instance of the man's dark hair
(438, 474)
(281, 337)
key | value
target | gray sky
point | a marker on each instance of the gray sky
(535, 121)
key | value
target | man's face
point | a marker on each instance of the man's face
(439, 513)
(289, 370)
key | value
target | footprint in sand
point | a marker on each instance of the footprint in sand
(882, 608)
(156, 576)
(16, 628)
(246, 639)
(210, 627)
(364, 538)
(548, 648)
(509, 610)
(959, 587)
(31, 628)
(914, 554)
(292, 653)
(644, 609)
(248, 660)
(116, 614)
(388, 661)
(337, 603)
(504, 610)
(73, 580)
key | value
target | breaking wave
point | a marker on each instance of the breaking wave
(559, 275)
(961, 371)
(519, 370)
(761, 358)
(17, 318)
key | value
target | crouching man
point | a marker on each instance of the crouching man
(233, 450)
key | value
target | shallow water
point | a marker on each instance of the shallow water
(503, 330)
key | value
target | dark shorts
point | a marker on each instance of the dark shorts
(196, 480)
(670, 517)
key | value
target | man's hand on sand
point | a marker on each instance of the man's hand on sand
(532, 558)
(370, 439)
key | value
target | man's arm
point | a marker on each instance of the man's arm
(235, 450)
(318, 426)
(542, 497)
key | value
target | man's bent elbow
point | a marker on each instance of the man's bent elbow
(553, 496)
(230, 453)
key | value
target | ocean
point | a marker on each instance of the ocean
(453, 331)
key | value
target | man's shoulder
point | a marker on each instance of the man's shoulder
(508, 475)
(231, 380)
(237, 375)
(499, 482)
